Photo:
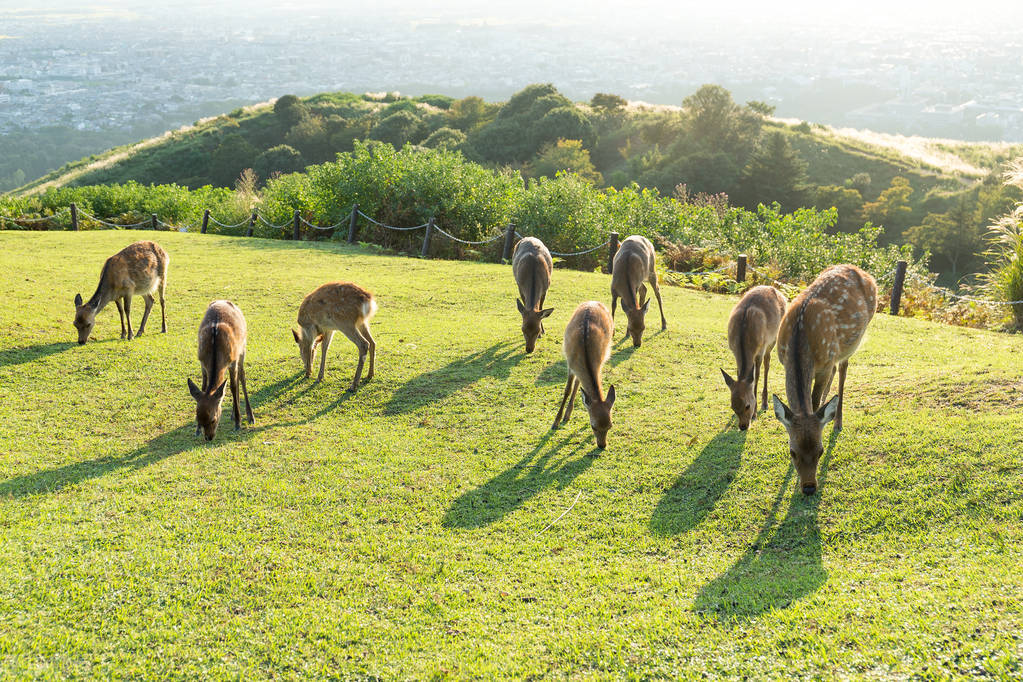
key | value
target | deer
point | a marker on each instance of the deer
(532, 265)
(634, 266)
(336, 306)
(139, 269)
(822, 328)
(222, 339)
(752, 333)
(587, 347)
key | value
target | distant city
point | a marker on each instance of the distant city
(146, 69)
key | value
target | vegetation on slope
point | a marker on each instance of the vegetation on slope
(406, 531)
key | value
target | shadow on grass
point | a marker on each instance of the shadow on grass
(179, 440)
(701, 485)
(557, 372)
(19, 356)
(783, 564)
(545, 466)
(496, 361)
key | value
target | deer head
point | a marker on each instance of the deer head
(307, 342)
(805, 442)
(207, 408)
(637, 321)
(600, 415)
(85, 319)
(532, 326)
(744, 399)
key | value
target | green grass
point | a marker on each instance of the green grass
(397, 532)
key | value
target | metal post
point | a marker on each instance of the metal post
(612, 249)
(353, 224)
(74, 217)
(900, 278)
(426, 239)
(509, 237)
(298, 226)
(740, 268)
(152, 217)
(252, 225)
(205, 221)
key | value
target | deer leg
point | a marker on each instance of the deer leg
(614, 304)
(767, 367)
(842, 368)
(120, 312)
(363, 345)
(564, 399)
(756, 383)
(235, 411)
(660, 305)
(145, 314)
(364, 330)
(163, 311)
(245, 389)
(324, 345)
(571, 400)
(127, 316)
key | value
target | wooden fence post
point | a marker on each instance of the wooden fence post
(205, 221)
(900, 279)
(740, 268)
(509, 237)
(298, 226)
(426, 239)
(612, 249)
(152, 218)
(252, 225)
(353, 224)
(74, 217)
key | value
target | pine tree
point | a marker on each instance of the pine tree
(775, 172)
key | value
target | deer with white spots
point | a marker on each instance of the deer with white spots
(587, 347)
(634, 266)
(752, 333)
(336, 306)
(532, 265)
(821, 330)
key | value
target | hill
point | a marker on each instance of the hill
(432, 525)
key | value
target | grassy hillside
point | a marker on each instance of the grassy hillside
(405, 531)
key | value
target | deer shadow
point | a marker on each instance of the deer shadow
(174, 442)
(20, 356)
(695, 492)
(429, 387)
(523, 480)
(785, 562)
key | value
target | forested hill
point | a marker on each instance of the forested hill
(940, 195)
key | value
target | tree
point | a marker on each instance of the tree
(564, 155)
(859, 182)
(955, 237)
(278, 160)
(290, 110)
(715, 121)
(444, 138)
(397, 129)
(470, 113)
(892, 208)
(608, 103)
(233, 155)
(563, 123)
(762, 108)
(775, 173)
(309, 136)
(848, 202)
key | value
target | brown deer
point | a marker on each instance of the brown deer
(587, 347)
(336, 306)
(752, 332)
(136, 270)
(532, 265)
(632, 267)
(821, 330)
(222, 338)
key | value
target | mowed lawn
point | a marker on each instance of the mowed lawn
(405, 531)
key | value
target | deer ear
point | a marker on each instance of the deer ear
(295, 334)
(586, 398)
(609, 400)
(828, 411)
(546, 313)
(219, 393)
(646, 306)
(518, 304)
(78, 300)
(193, 389)
(729, 381)
(782, 411)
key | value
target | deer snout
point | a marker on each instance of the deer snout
(809, 489)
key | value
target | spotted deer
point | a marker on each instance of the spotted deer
(821, 330)
(222, 338)
(587, 347)
(136, 270)
(532, 265)
(336, 306)
(633, 266)
(752, 332)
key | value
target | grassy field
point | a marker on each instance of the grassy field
(404, 531)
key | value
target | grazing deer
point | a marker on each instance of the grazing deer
(587, 347)
(222, 337)
(821, 330)
(136, 270)
(752, 332)
(340, 306)
(532, 266)
(632, 267)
